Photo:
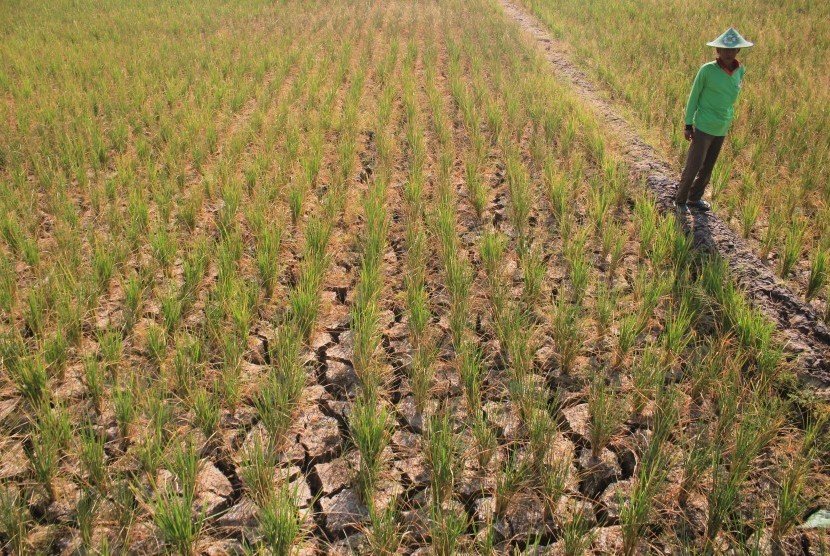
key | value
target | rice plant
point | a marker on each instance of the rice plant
(540, 428)
(554, 483)
(31, 379)
(303, 299)
(184, 463)
(257, 472)
(268, 257)
(110, 346)
(8, 287)
(134, 295)
(492, 251)
(604, 308)
(635, 514)
(34, 313)
(187, 364)
(677, 334)
(512, 477)
(475, 188)
(275, 405)
(758, 426)
(124, 406)
(577, 535)
(385, 534)
(447, 527)
(533, 274)
(459, 280)
(791, 503)
(793, 246)
(206, 412)
(156, 344)
(749, 215)
(422, 373)
(179, 529)
(14, 519)
(44, 458)
(281, 522)
(442, 457)
(94, 381)
(369, 425)
(607, 410)
(92, 456)
(818, 275)
(485, 439)
(471, 369)
(566, 328)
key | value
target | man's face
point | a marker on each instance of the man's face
(728, 54)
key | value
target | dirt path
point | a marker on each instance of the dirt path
(806, 336)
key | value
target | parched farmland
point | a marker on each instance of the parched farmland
(355, 277)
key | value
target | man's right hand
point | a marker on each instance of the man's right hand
(688, 133)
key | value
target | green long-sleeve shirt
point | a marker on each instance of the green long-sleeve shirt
(710, 105)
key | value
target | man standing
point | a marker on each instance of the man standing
(709, 114)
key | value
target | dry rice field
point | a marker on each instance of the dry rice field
(352, 277)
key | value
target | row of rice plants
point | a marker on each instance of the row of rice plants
(283, 524)
(444, 451)
(530, 465)
(371, 420)
(423, 337)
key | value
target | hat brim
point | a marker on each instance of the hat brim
(718, 44)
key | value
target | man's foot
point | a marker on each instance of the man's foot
(701, 205)
(682, 208)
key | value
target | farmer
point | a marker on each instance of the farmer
(709, 113)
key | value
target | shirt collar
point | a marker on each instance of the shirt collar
(730, 70)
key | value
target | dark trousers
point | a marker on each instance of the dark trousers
(703, 153)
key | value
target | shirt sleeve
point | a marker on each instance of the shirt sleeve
(694, 96)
